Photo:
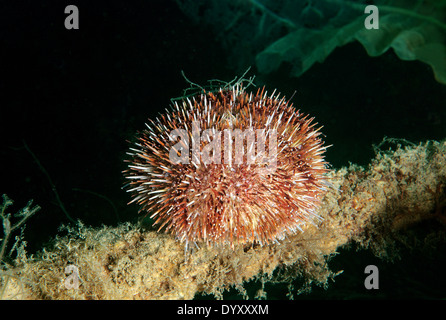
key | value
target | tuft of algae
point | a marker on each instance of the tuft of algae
(368, 206)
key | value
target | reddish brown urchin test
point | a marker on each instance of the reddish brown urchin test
(200, 192)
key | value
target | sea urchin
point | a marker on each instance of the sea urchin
(229, 167)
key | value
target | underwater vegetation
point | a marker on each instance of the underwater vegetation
(270, 33)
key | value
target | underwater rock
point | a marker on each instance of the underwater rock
(366, 206)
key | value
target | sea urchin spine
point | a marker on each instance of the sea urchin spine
(229, 167)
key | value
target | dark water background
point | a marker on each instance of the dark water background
(75, 96)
